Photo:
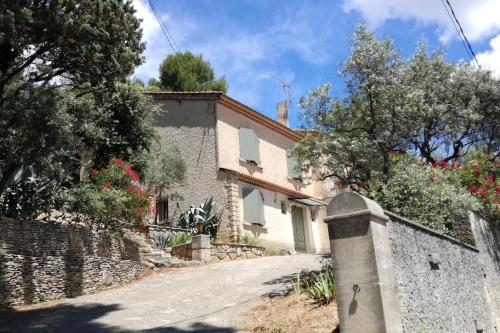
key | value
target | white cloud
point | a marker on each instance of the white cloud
(243, 55)
(491, 59)
(479, 18)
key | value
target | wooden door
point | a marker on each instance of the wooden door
(299, 235)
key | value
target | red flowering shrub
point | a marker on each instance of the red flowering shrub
(113, 193)
(480, 176)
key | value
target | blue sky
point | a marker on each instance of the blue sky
(303, 42)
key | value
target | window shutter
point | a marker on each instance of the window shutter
(293, 168)
(249, 145)
(253, 206)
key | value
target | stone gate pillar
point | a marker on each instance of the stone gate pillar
(364, 277)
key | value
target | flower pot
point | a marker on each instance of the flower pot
(199, 227)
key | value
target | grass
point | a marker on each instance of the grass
(249, 240)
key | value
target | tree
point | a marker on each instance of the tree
(81, 43)
(437, 109)
(185, 71)
(65, 103)
(165, 168)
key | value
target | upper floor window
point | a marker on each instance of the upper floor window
(293, 167)
(249, 145)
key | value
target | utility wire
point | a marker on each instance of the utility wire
(457, 29)
(163, 27)
(461, 32)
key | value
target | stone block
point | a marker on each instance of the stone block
(200, 242)
(232, 255)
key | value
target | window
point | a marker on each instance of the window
(253, 206)
(293, 168)
(162, 210)
(249, 145)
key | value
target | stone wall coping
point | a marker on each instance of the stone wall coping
(364, 212)
(238, 245)
(397, 218)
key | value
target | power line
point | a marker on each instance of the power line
(163, 27)
(461, 32)
(457, 30)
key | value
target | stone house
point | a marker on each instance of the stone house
(240, 157)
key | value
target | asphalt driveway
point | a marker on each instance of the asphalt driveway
(198, 299)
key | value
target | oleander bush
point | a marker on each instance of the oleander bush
(112, 195)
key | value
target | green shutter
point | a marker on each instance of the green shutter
(253, 206)
(249, 145)
(293, 168)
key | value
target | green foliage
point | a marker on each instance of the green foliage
(180, 239)
(424, 104)
(206, 215)
(79, 42)
(247, 239)
(112, 194)
(319, 286)
(162, 239)
(165, 168)
(480, 176)
(185, 71)
(64, 102)
(426, 195)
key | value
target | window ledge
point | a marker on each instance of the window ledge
(296, 180)
(251, 163)
(248, 224)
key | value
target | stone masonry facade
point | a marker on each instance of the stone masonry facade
(41, 261)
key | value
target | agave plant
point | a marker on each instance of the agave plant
(162, 239)
(202, 219)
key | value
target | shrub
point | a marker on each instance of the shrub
(424, 194)
(480, 175)
(319, 286)
(180, 239)
(246, 239)
(206, 214)
(111, 194)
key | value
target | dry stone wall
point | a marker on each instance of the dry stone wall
(228, 252)
(41, 261)
(221, 252)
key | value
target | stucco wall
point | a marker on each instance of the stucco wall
(447, 296)
(272, 147)
(277, 233)
(190, 125)
(44, 261)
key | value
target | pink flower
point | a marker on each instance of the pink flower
(477, 170)
(93, 171)
(473, 189)
(443, 163)
(483, 191)
(105, 185)
(119, 162)
(435, 164)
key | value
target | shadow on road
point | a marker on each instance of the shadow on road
(66, 318)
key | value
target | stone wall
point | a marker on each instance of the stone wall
(393, 275)
(220, 252)
(41, 261)
(190, 125)
(227, 252)
(182, 251)
(439, 278)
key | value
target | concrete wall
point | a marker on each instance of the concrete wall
(393, 275)
(439, 279)
(45, 261)
(190, 125)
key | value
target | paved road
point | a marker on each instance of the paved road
(198, 299)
